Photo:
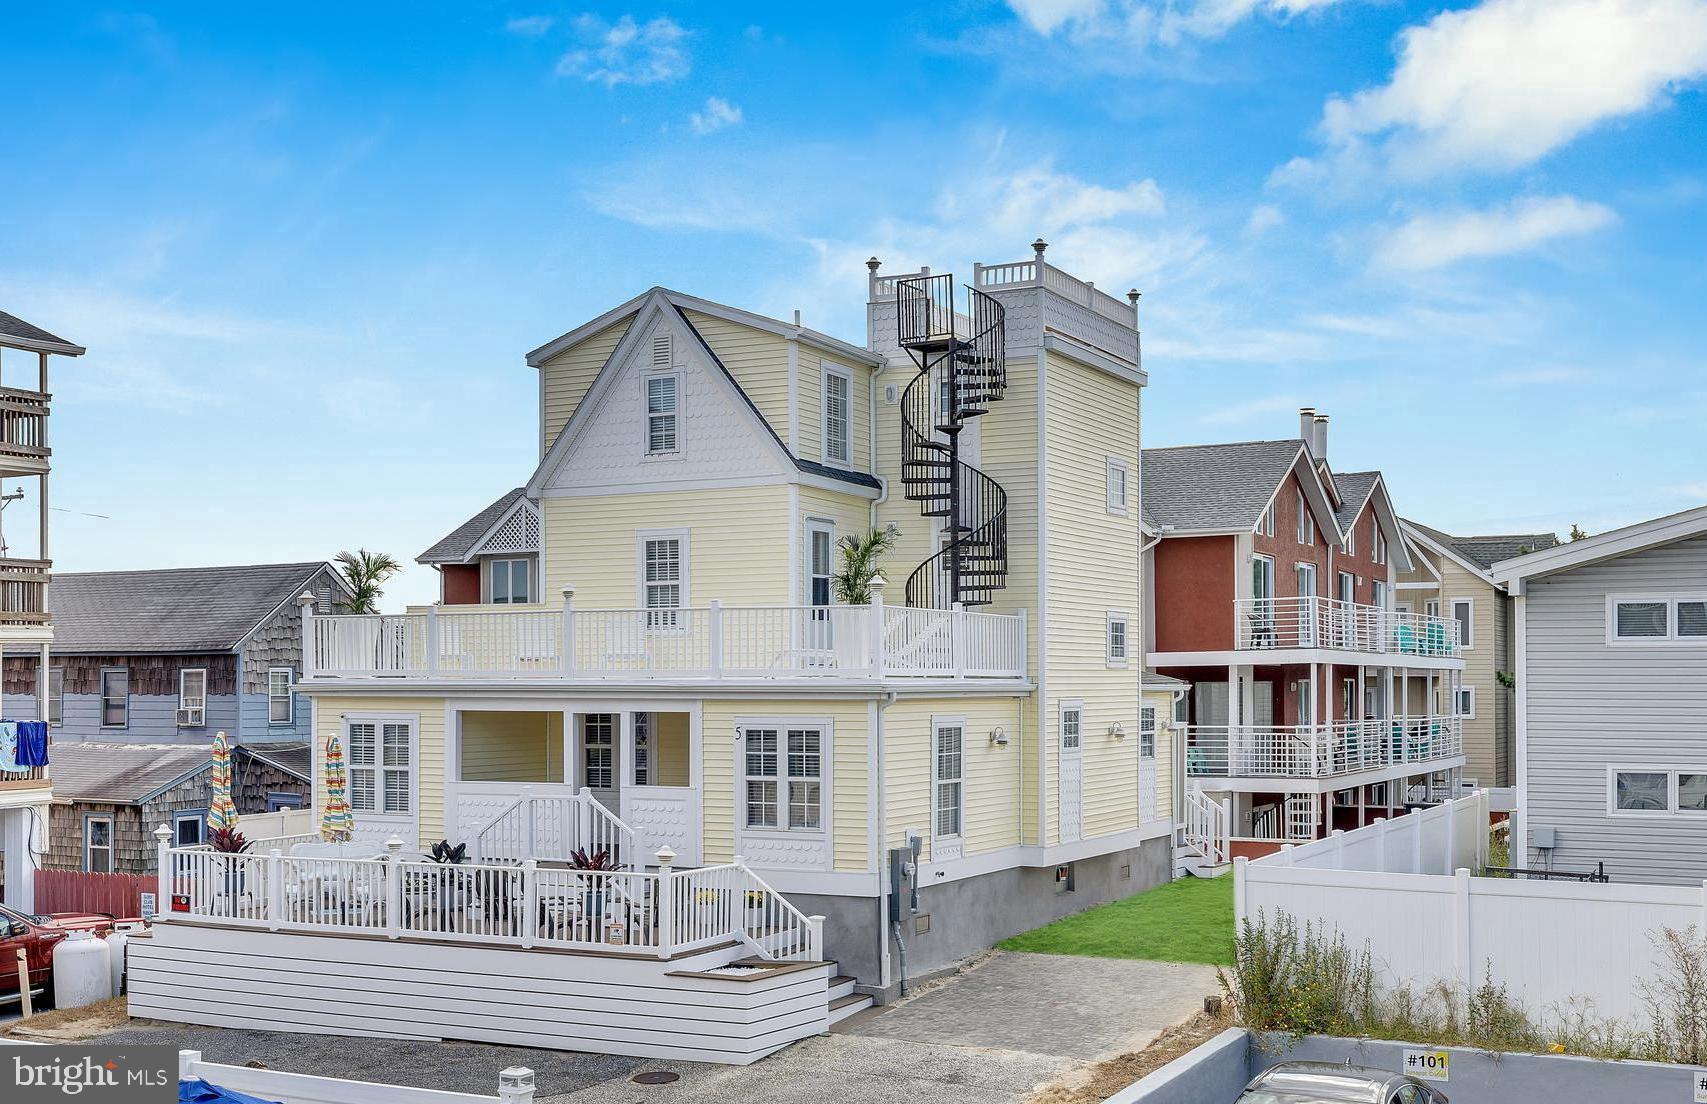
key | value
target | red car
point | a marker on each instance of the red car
(35, 936)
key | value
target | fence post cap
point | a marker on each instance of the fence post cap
(394, 845)
(162, 833)
(665, 855)
(307, 598)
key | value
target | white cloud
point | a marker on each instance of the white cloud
(530, 26)
(1141, 22)
(627, 52)
(1264, 217)
(1536, 377)
(1253, 410)
(716, 115)
(1437, 239)
(1500, 85)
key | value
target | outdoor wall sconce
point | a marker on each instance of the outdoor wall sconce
(1117, 730)
(998, 737)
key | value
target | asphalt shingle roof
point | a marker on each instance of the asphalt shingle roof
(1355, 489)
(1486, 551)
(13, 326)
(127, 773)
(187, 609)
(454, 547)
(297, 758)
(1214, 486)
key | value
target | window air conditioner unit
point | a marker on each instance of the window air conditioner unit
(191, 717)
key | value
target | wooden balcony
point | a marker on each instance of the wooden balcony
(23, 431)
(23, 592)
(30, 778)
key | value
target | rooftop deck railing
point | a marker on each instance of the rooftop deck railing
(1311, 621)
(711, 642)
(1319, 751)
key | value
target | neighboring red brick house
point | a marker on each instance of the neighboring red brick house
(1313, 699)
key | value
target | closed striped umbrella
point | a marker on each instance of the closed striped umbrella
(221, 812)
(336, 822)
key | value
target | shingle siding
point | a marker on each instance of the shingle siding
(1591, 705)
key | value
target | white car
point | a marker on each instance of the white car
(1323, 1083)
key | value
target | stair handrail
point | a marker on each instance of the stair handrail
(1206, 827)
(594, 827)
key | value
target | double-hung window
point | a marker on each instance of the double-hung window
(56, 696)
(838, 386)
(192, 697)
(1658, 619)
(1147, 732)
(948, 767)
(663, 575)
(510, 581)
(662, 402)
(598, 750)
(784, 777)
(279, 695)
(1117, 481)
(98, 844)
(381, 754)
(1119, 644)
(1072, 723)
(115, 697)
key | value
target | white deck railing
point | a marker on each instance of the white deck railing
(1207, 827)
(716, 641)
(664, 912)
(1319, 751)
(1312, 621)
(551, 828)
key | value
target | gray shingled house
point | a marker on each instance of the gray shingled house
(173, 656)
(109, 798)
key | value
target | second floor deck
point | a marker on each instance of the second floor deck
(1313, 622)
(710, 643)
(1321, 751)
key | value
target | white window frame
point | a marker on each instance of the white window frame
(1378, 547)
(655, 623)
(289, 695)
(826, 730)
(56, 697)
(381, 810)
(184, 700)
(1351, 540)
(1378, 593)
(606, 748)
(1670, 600)
(1147, 729)
(1306, 523)
(103, 696)
(1119, 505)
(829, 369)
(1124, 658)
(1466, 714)
(643, 723)
(1265, 524)
(1076, 707)
(1671, 811)
(112, 843)
(1469, 635)
(195, 816)
(674, 413)
(938, 780)
(509, 563)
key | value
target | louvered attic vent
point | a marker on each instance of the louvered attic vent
(661, 350)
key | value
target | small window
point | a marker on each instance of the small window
(511, 582)
(98, 844)
(1182, 710)
(1072, 722)
(1351, 540)
(1643, 791)
(1117, 493)
(1119, 647)
(949, 767)
(661, 409)
(192, 697)
(1379, 546)
(642, 749)
(598, 750)
(380, 763)
(56, 696)
(1641, 619)
(662, 577)
(1465, 702)
(837, 385)
(278, 695)
(1464, 612)
(115, 697)
(1267, 522)
(1147, 732)
(1378, 594)
(187, 827)
(1306, 523)
(277, 802)
(1692, 618)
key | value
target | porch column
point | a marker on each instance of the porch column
(23, 837)
(571, 761)
(624, 754)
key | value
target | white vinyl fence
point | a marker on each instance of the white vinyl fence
(1404, 887)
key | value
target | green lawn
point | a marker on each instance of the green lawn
(1189, 920)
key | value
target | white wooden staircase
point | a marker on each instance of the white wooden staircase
(1203, 848)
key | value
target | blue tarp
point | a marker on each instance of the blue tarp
(200, 1092)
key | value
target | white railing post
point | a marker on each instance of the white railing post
(275, 889)
(188, 1060)
(584, 819)
(1239, 875)
(815, 938)
(714, 646)
(877, 642)
(306, 602)
(1024, 664)
(1381, 844)
(432, 640)
(163, 856)
(957, 640)
(515, 1085)
(1461, 931)
(568, 632)
(530, 838)
(530, 900)
(666, 903)
(393, 888)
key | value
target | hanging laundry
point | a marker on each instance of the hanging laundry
(32, 743)
(9, 747)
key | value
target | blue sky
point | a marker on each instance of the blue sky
(308, 248)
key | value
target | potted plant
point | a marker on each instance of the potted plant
(450, 893)
(593, 886)
(229, 841)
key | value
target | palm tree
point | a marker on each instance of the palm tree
(366, 572)
(852, 584)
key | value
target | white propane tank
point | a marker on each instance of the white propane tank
(81, 973)
(116, 942)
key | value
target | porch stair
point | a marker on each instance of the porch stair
(1192, 863)
(844, 1002)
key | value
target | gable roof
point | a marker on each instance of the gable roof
(672, 305)
(130, 774)
(1219, 488)
(1354, 490)
(186, 609)
(1620, 542)
(455, 546)
(14, 331)
(1478, 554)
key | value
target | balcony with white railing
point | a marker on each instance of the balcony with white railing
(1320, 751)
(714, 642)
(1312, 622)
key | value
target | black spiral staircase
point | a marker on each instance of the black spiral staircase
(962, 363)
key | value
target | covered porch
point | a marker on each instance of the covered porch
(527, 781)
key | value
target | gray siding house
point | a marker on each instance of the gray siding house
(1611, 659)
(174, 656)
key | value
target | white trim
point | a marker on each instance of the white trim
(112, 847)
(490, 594)
(101, 694)
(183, 673)
(379, 814)
(1462, 689)
(826, 369)
(684, 564)
(677, 445)
(810, 526)
(1417, 536)
(1123, 619)
(1671, 811)
(1520, 830)
(945, 847)
(1063, 707)
(1033, 856)
(1670, 600)
(1468, 643)
(289, 695)
(477, 548)
(1123, 506)
(824, 833)
(1118, 367)
(795, 477)
(1619, 542)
